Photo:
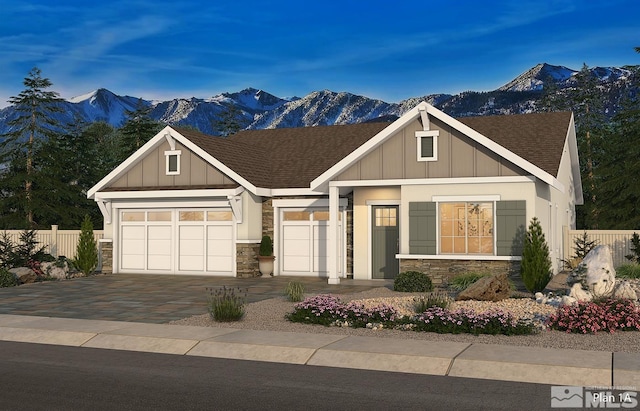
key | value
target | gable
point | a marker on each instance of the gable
(150, 172)
(458, 156)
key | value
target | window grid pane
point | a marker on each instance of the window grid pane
(466, 228)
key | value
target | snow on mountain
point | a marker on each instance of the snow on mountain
(534, 78)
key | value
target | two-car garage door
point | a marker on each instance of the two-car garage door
(181, 241)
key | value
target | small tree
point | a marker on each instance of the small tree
(536, 264)
(87, 250)
(634, 257)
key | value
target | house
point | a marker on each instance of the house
(426, 192)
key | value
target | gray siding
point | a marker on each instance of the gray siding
(150, 171)
(458, 156)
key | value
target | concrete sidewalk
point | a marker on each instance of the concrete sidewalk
(495, 362)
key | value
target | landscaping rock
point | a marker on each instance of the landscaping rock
(594, 277)
(494, 288)
(57, 270)
(624, 289)
(25, 275)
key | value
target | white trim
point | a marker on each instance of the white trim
(466, 199)
(248, 241)
(433, 181)
(170, 204)
(105, 209)
(383, 202)
(167, 155)
(171, 141)
(424, 117)
(305, 202)
(414, 113)
(294, 192)
(235, 202)
(162, 194)
(419, 136)
(482, 257)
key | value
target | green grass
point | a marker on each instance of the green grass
(462, 281)
(628, 271)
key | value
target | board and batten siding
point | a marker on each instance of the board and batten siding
(458, 156)
(151, 171)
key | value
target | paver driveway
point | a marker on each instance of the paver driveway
(149, 298)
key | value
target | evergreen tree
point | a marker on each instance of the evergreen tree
(34, 122)
(136, 131)
(87, 249)
(230, 121)
(552, 99)
(588, 108)
(535, 267)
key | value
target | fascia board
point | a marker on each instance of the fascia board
(497, 148)
(572, 142)
(367, 147)
(164, 194)
(129, 162)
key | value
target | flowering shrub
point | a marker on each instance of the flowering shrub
(592, 316)
(328, 310)
(441, 321)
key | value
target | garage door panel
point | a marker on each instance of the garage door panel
(220, 264)
(295, 263)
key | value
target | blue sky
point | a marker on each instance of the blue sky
(165, 49)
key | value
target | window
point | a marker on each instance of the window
(386, 217)
(172, 162)
(427, 145)
(466, 228)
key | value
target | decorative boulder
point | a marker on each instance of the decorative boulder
(594, 277)
(494, 288)
(624, 289)
(57, 270)
(25, 275)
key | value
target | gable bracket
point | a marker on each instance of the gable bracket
(171, 141)
(105, 209)
(236, 207)
(424, 117)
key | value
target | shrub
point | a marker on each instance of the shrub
(582, 247)
(294, 291)
(86, 250)
(321, 309)
(7, 250)
(225, 305)
(589, 317)
(266, 246)
(535, 267)
(441, 321)
(7, 279)
(424, 302)
(634, 257)
(462, 281)
(412, 282)
(630, 271)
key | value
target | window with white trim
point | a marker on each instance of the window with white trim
(466, 228)
(172, 162)
(427, 142)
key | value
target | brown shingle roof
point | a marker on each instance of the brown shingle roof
(293, 157)
(538, 137)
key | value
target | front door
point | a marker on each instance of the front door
(384, 241)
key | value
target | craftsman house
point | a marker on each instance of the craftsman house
(426, 192)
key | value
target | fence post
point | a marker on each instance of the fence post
(565, 241)
(53, 245)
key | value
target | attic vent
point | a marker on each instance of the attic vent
(172, 162)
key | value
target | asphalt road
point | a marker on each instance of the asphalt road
(45, 377)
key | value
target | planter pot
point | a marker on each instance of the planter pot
(265, 263)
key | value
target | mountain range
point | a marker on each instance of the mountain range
(258, 109)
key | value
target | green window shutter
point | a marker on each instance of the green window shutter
(422, 228)
(510, 226)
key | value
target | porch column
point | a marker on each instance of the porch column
(334, 244)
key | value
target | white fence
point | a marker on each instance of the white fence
(618, 240)
(57, 242)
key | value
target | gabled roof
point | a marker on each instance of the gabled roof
(309, 157)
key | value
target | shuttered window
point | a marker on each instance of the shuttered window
(511, 220)
(422, 228)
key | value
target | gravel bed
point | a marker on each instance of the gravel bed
(270, 315)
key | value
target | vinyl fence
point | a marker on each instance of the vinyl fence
(619, 241)
(56, 242)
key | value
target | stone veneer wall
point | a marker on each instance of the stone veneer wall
(442, 271)
(247, 260)
(267, 217)
(106, 255)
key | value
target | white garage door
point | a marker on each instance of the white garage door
(305, 242)
(181, 241)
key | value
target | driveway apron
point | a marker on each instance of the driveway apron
(151, 298)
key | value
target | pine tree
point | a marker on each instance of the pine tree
(136, 131)
(87, 250)
(230, 121)
(535, 267)
(34, 123)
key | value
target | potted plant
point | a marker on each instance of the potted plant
(266, 257)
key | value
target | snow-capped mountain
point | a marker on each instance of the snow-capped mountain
(257, 109)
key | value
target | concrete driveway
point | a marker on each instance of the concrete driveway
(150, 298)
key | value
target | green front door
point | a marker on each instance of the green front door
(384, 241)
